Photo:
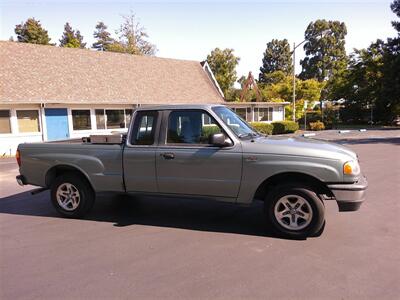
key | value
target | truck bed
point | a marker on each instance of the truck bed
(102, 163)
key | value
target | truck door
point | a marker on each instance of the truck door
(188, 164)
(139, 154)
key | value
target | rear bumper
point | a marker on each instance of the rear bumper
(21, 180)
(349, 197)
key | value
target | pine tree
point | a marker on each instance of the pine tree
(325, 50)
(32, 32)
(103, 37)
(277, 57)
(70, 39)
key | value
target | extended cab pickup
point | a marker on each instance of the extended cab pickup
(200, 151)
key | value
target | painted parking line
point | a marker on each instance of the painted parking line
(308, 134)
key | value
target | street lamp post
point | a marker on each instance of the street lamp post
(294, 78)
(294, 73)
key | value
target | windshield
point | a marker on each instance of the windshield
(237, 124)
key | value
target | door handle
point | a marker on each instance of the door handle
(168, 155)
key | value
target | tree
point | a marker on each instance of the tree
(102, 36)
(32, 32)
(395, 6)
(223, 64)
(325, 51)
(133, 37)
(371, 84)
(71, 39)
(277, 57)
(282, 90)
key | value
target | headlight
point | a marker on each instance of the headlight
(351, 168)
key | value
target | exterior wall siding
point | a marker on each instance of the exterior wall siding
(10, 141)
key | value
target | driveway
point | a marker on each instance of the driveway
(183, 249)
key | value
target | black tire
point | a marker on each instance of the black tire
(276, 202)
(85, 194)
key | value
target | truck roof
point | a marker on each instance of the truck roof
(177, 106)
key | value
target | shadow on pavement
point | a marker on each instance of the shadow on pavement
(200, 215)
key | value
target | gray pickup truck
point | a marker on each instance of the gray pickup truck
(200, 151)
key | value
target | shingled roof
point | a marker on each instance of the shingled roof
(47, 74)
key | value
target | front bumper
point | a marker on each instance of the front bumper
(349, 197)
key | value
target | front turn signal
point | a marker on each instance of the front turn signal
(351, 168)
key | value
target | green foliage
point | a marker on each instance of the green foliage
(277, 57)
(71, 39)
(325, 50)
(233, 95)
(264, 128)
(317, 126)
(274, 78)
(371, 85)
(115, 46)
(210, 129)
(102, 36)
(280, 127)
(32, 32)
(282, 90)
(133, 38)
(284, 127)
(223, 65)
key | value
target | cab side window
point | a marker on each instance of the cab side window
(191, 127)
(144, 128)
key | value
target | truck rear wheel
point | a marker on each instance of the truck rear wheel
(71, 195)
(295, 211)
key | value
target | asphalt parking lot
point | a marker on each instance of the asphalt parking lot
(185, 249)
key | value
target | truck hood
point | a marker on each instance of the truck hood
(298, 146)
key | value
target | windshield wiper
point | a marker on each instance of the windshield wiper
(250, 134)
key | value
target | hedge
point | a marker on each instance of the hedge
(210, 129)
(281, 127)
(316, 126)
(264, 128)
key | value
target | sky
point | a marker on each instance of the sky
(191, 29)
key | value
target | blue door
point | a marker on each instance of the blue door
(57, 123)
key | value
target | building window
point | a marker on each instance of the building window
(115, 118)
(265, 113)
(241, 112)
(249, 116)
(100, 119)
(28, 120)
(128, 116)
(81, 120)
(5, 126)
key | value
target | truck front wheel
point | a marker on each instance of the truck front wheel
(295, 211)
(71, 195)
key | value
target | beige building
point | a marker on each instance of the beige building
(50, 93)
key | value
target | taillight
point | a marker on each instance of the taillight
(18, 157)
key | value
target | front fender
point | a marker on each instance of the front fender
(258, 168)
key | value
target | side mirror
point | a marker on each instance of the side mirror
(220, 140)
